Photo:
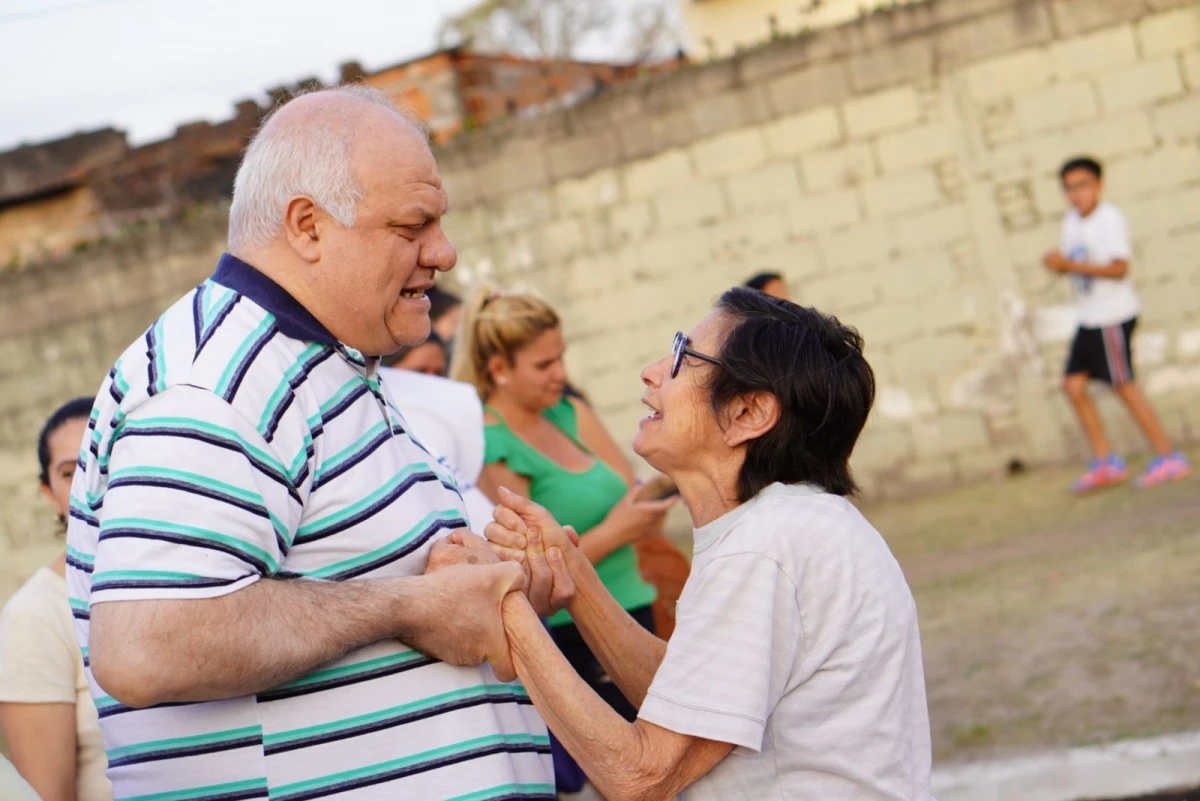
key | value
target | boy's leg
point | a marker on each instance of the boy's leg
(1075, 385)
(1144, 416)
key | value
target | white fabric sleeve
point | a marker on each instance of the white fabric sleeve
(197, 504)
(1116, 231)
(737, 637)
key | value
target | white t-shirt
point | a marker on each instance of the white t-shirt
(797, 641)
(1099, 239)
(446, 417)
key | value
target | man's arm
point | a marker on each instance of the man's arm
(146, 652)
(634, 761)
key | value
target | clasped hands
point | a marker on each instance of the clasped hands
(1056, 262)
(526, 551)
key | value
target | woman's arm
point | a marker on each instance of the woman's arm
(635, 761)
(497, 475)
(41, 738)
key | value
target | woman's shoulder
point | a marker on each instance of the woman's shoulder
(39, 609)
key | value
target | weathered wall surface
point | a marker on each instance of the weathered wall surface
(900, 170)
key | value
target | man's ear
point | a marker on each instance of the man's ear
(749, 417)
(300, 226)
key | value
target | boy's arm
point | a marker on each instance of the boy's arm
(1117, 268)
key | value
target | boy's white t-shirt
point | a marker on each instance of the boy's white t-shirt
(1100, 238)
(796, 640)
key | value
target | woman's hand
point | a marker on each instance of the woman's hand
(524, 532)
(631, 519)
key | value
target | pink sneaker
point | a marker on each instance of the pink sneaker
(1102, 473)
(1165, 470)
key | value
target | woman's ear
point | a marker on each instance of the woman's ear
(750, 416)
(497, 368)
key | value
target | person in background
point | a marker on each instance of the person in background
(13, 786)
(1094, 251)
(428, 358)
(555, 449)
(47, 714)
(770, 283)
(795, 671)
(445, 310)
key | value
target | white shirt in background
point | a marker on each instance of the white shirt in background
(446, 418)
(1099, 239)
(797, 641)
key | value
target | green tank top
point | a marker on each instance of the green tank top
(580, 499)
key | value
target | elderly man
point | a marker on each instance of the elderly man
(251, 522)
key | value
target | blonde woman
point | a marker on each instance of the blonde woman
(554, 449)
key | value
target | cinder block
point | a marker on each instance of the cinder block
(887, 323)
(774, 183)
(934, 227)
(675, 252)
(1009, 74)
(937, 354)
(807, 88)
(736, 235)
(900, 194)
(833, 169)
(824, 212)
(799, 261)
(729, 153)
(916, 146)
(1138, 175)
(1056, 106)
(916, 277)
(1012, 28)
(1093, 52)
(852, 247)
(839, 294)
(1071, 17)
(1112, 136)
(1191, 69)
(1169, 256)
(689, 205)
(650, 176)
(1178, 119)
(631, 221)
(562, 239)
(600, 189)
(901, 62)
(1159, 213)
(1141, 84)
(1170, 31)
(881, 111)
(807, 130)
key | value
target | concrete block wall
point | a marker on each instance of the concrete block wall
(900, 170)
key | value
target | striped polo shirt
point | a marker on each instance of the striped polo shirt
(239, 440)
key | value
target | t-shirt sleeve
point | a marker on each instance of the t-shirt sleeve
(737, 637)
(1116, 231)
(197, 504)
(38, 652)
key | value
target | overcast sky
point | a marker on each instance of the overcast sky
(145, 66)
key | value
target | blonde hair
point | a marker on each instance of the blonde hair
(496, 323)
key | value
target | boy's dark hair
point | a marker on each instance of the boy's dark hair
(760, 280)
(393, 359)
(1081, 163)
(71, 410)
(815, 368)
(440, 302)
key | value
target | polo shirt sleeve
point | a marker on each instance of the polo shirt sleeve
(737, 636)
(197, 504)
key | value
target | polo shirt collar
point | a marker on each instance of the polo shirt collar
(293, 320)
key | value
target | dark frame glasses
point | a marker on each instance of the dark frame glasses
(680, 349)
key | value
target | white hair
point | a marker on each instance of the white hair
(306, 156)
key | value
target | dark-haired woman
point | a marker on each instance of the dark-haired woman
(47, 714)
(795, 668)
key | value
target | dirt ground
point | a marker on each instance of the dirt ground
(1051, 620)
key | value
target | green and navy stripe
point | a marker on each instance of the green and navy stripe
(177, 747)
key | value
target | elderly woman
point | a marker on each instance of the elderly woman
(795, 669)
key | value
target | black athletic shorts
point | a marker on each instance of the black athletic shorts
(1105, 354)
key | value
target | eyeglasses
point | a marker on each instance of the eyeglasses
(681, 349)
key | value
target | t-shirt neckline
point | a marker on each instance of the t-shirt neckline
(706, 535)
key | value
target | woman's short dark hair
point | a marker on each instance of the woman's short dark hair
(1081, 163)
(760, 280)
(71, 410)
(814, 366)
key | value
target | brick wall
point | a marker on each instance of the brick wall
(900, 170)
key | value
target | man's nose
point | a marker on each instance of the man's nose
(438, 253)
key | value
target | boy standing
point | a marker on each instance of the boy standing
(1094, 251)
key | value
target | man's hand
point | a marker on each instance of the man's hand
(460, 548)
(526, 533)
(1056, 262)
(465, 626)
